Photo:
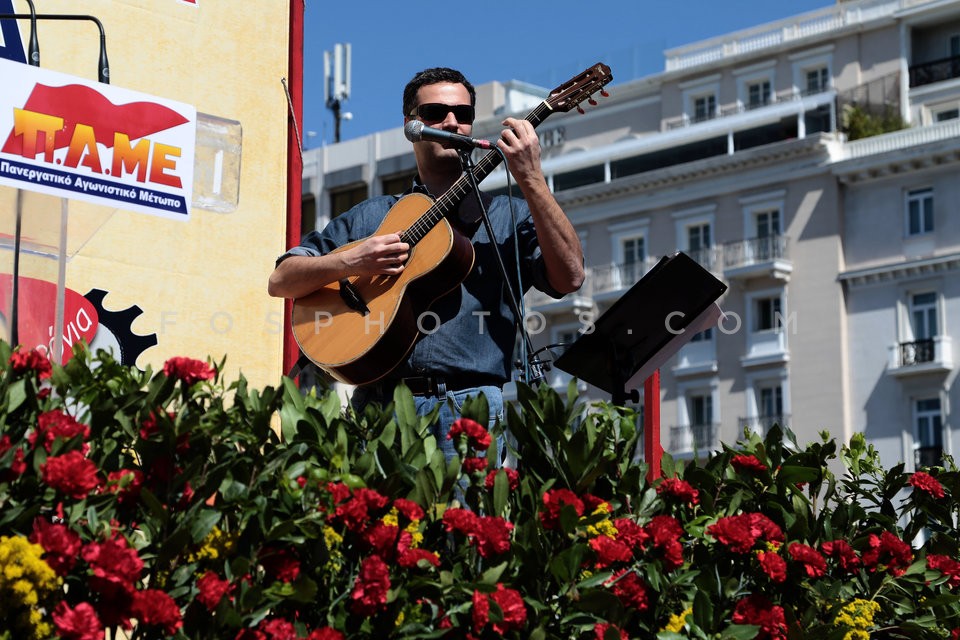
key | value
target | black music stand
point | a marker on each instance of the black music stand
(670, 304)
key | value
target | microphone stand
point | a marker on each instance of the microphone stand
(535, 370)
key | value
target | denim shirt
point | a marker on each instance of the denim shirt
(477, 329)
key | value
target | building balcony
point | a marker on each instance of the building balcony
(757, 258)
(611, 280)
(699, 438)
(931, 456)
(762, 424)
(933, 355)
(934, 71)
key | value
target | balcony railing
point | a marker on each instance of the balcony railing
(931, 355)
(916, 352)
(928, 456)
(758, 256)
(762, 424)
(701, 438)
(934, 71)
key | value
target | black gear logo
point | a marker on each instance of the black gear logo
(115, 332)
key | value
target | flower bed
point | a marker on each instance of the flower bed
(171, 504)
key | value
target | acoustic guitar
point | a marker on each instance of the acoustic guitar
(360, 328)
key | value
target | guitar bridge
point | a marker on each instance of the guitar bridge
(352, 297)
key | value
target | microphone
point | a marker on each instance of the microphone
(415, 131)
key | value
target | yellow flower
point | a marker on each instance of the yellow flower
(25, 578)
(602, 528)
(857, 615)
(391, 519)
(216, 544)
(677, 621)
(415, 536)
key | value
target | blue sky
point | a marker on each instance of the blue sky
(539, 42)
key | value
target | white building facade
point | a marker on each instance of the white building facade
(841, 256)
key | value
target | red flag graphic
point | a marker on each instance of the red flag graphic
(78, 104)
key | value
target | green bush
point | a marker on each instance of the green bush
(169, 504)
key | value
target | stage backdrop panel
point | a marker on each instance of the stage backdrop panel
(152, 287)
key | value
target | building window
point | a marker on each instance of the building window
(701, 422)
(768, 223)
(817, 80)
(396, 185)
(698, 237)
(633, 256)
(768, 314)
(954, 46)
(929, 432)
(704, 336)
(923, 315)
(342, 200)
(919, 211)
(704, 107)
(770, 404)
(946, 114)
(758, 94)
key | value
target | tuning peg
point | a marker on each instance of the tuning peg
(580, 110)
(592, 102)
(604, 93)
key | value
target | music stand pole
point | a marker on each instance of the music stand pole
(652, 448)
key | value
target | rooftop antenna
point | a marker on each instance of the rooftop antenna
(336, 83)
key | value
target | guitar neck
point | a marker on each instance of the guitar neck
(446, 203)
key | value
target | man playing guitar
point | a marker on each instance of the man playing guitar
(468, 340)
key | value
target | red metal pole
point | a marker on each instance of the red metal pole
(652, 449)
(294, 161)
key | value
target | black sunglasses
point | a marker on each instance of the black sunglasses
(435, 112)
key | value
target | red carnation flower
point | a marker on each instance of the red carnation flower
(665, 531)
(126, 483)
(369, 593)
(188, 370)
(478, 438)
(600, 631)
(887, 550)
(947, 566)
(926, 482)
(481, 611)
(382, 538)
(212, 589)
(747, 463)
(56, 424)
(461, 520)
(513, 611)
(409, 508)
(741, 532)
(773, 565)
(410, 558)
(474, 464)
(71, 474)
(609, 551)
(758, 610)
(630, 589)
(678, 489)
(326, 633)
(278, 629)
(631, 534)
(114, 561)
(357, 511)
(511, 606)
(30, 361)
(280, 564)
(155, 608)
(513, 478)
(61, 546)
(843, 553)
(553, 502)
(17, 466)
(79, 623)
(810, 558)
(492, 536)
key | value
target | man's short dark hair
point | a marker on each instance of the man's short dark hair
(434, 76)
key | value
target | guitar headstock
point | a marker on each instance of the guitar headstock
(571, 93)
